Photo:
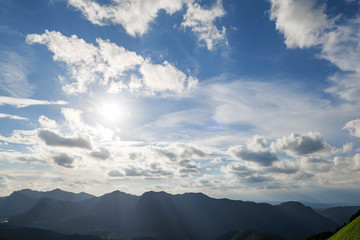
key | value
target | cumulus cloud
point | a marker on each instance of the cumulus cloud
(302, 22)
(316, 165)
(109, 64)
(46, 122)
(64, 160)
(202, 22)
(180, 151)
(53, 139)
(353, 127)
(255, 151)
(10, 116)
(305, 24)
(285, 167)
(297, 145)
(135, 16)
(13, 75)
(154, 170)
(26, 102)
(102, 154)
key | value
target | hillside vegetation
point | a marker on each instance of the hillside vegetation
(350, 232)
(249, 235)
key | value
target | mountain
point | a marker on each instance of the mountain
(16, 203)
(161, 215)
(22, 201)
(248, 235)
(339, 215)
(13, 233)
(57, 194)
(350, 232)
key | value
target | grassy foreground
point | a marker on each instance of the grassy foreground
(350, 232)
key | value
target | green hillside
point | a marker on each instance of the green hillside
(248, 235)
(349, 232)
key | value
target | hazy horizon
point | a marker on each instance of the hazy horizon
(253, 100)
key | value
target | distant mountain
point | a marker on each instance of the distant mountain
(339, 215)
(22, 201)
(57, 194)
(12, 233)
(16, 203)
(350, 232)
(248, 235)
(160, 215)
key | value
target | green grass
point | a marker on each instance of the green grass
(248, 235)
(349, 232)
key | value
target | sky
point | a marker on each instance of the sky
(252, 100)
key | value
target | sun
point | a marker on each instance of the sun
(111, 111)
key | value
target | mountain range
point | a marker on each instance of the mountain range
(159, 215)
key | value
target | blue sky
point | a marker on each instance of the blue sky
(253, 100)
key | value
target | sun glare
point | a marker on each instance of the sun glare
(111, 111)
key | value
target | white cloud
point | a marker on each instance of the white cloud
(14, 70)
(10, 116)
(164, 77)
(305, 24)
(353, 127)
(135, 16)
(26, 102)
(201, 21)
(109, 65)
(46, 122)
(302, 22)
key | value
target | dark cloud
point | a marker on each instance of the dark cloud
(115, 173)
(166, 153)
(179, 152)
(53, 139)
(64, 160)
(257, 179)
(102, 154)
(264, 158)
(296, 144)
(317, 164)
(155, 171)
(190, 151)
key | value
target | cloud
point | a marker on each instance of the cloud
(156, 77)
(255, 151)
(26, 102)
(179, 151)
(110, 65)
(285, 167)
(46, 122)
(102, 154)
(297, 145)
(264, 158)
(353, 127)
(15, 117)
(135, 171)
(53, 139)
(303, 23)
(115, 173)
(135, 16)
(316, 165)
(13, 75)
(64, 160)
(201, 21)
